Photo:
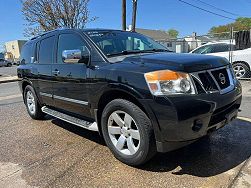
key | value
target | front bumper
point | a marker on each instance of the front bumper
(181, 120)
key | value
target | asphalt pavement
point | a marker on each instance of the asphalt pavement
(8, 71)
(53, 153)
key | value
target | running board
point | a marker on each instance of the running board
(70, 119)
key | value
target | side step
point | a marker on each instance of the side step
(70, 119)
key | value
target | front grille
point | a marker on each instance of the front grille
(207, 81)
(222, 78)
(213, 80)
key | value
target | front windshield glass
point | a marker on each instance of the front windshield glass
(115, 43)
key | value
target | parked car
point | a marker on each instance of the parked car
(5, 63)
(241, 58)
(140, 98)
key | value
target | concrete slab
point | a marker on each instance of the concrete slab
(243, 180)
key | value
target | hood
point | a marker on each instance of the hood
(179, 62)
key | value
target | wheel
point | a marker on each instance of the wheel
(241, 70)
(128, 132)
(32, 104)
(9, 65)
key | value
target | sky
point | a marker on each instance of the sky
(151, 14)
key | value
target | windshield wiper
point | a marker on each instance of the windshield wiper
(161, 50)
(126, 52)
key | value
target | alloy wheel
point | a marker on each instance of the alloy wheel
(123, 132)
(239, 71)
(30, 102)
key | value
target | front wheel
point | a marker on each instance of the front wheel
(128, 132)
(32, 104)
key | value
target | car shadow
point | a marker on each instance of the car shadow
(209, 156)
(90, 135)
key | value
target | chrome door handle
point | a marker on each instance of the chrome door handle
(55, 72)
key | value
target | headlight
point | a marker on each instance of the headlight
(166, 82)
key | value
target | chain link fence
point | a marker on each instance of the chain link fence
(218, 44)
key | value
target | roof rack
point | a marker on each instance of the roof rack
(47, 32)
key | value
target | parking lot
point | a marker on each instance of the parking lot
(52, 153)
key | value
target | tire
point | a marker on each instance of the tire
(31, 102)
(9, 65)
(137, 138)
(241, 70)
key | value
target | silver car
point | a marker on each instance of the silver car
(5, 63)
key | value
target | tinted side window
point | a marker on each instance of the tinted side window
(220, 48)
(70, 42)
(26, 53)
(46, 47)
(203, 50)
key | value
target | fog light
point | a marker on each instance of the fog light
(197, 125)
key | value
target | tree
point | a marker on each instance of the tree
(173, 33)
(240, 24)
(45, 15)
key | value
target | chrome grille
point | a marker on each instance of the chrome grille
(222, 78)
(214, 80)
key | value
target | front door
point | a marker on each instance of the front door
(69, 86)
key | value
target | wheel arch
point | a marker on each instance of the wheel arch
(244, 62)
(26, 83)
(112, 94)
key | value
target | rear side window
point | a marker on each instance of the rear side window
(46, 49)
(26, 53)
(220, 48)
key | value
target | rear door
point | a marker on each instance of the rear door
(69, 78)
(45, 57)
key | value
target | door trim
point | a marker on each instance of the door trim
(64, 98)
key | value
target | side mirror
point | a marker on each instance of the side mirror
(75, 56)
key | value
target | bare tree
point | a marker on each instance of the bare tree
(45, 15)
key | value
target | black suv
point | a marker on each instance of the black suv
(140, 97)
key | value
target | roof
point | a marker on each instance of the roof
(15, 41)
(154, 34)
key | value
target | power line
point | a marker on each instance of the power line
(208, 11)
(217, 8)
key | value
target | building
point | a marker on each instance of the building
(13, 49)
(157, 35)
(1, 55)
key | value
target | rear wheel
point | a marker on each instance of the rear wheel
(128, 133)
(9, 65)
(32, 104)
(241, 70)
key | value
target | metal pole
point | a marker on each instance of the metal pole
(134, 13)
(230, 45)
(123, 14)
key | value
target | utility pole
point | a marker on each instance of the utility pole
(123, 14)
(134, 13)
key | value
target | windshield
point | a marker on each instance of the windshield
(115, 43)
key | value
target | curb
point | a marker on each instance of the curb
(8, 79)
(243, 178)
